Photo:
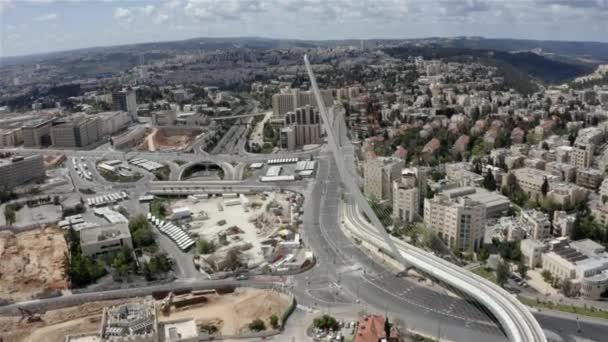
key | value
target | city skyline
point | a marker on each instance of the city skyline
(41, 26)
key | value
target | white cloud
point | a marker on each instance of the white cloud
(173, 3)
(223, 9)
(160, 18)
(123, 14)
(147, 10)
(5, 4)
(47, 17)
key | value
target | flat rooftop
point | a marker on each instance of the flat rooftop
(95, 234)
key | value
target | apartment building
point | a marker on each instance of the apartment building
(81, 132)
(126, 101)
(531, 180)
(112, 122)
(19, 170)
(300, 127)
(294, 98)
(459, 222)
(379, 175)
(538, 223)
(589, 178)
(10, 137)
(37, 133)
(406, 196)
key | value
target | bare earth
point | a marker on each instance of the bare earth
(56, 324)
(32, 263)
(232, 313)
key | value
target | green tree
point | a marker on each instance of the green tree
(274, 322)
(387, 328)
(206, 247)
(545, 187)
(483, 255)
(10, 216)
(325, 322)
(502, 273)
(489, 182)
(567, 288)
(547, 277)
(522, 269)
(257, 325)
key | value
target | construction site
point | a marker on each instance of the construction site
(168, 139)
(32, 263)
(260, 229)
(222, 312)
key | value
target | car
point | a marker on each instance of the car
(242, 277)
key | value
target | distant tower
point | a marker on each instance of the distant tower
(362, 44)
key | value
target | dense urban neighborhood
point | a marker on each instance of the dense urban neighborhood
(357, 190)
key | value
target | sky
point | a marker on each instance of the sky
(36, 26)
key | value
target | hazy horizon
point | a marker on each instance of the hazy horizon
(32, 27)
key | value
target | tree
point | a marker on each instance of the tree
(206, 247)
(483, 255)
(10, 216)
(547, 277)
(387, 328)
(257, 325)
(325, 322)
(502, 273)
(567, 288)
(545, 187)
(489, 182)
(522, 269)
(274, 322)
(232, 261)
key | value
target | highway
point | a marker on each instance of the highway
(516, 320)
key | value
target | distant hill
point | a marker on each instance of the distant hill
(544, 69)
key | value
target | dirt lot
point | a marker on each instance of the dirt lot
(56, 324)
(232, 313)
(168, 139)
(32, 263)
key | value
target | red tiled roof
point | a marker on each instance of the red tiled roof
(370, 329)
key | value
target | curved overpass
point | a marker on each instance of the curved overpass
(515, 318)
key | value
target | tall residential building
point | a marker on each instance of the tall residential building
(582, 155)
(531, 180)
(295, 98)
(304, 128)
(459, 222)
(19, 170)
(37, 133)
(538, 223)
(126, 101)
(379, 176)
(406, 196)
(10, 137)
(81, 132)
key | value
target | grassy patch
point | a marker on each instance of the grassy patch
(576, 310)
(112, 177)
(158, 208)
(485, 273)
(267, 148)
(162, 173)
(247, 172)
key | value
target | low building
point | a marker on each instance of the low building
(100, 240)
(563, 223)
(370, 328)
(112, 122)
(10, 137)
(81, 132)
(495, 203)
(164, 118)
(130, 322)
(531, 251)
(19, 170)
(539, 223)
(531, 180)
(589, 178)
(37, 133)
(461, 174)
